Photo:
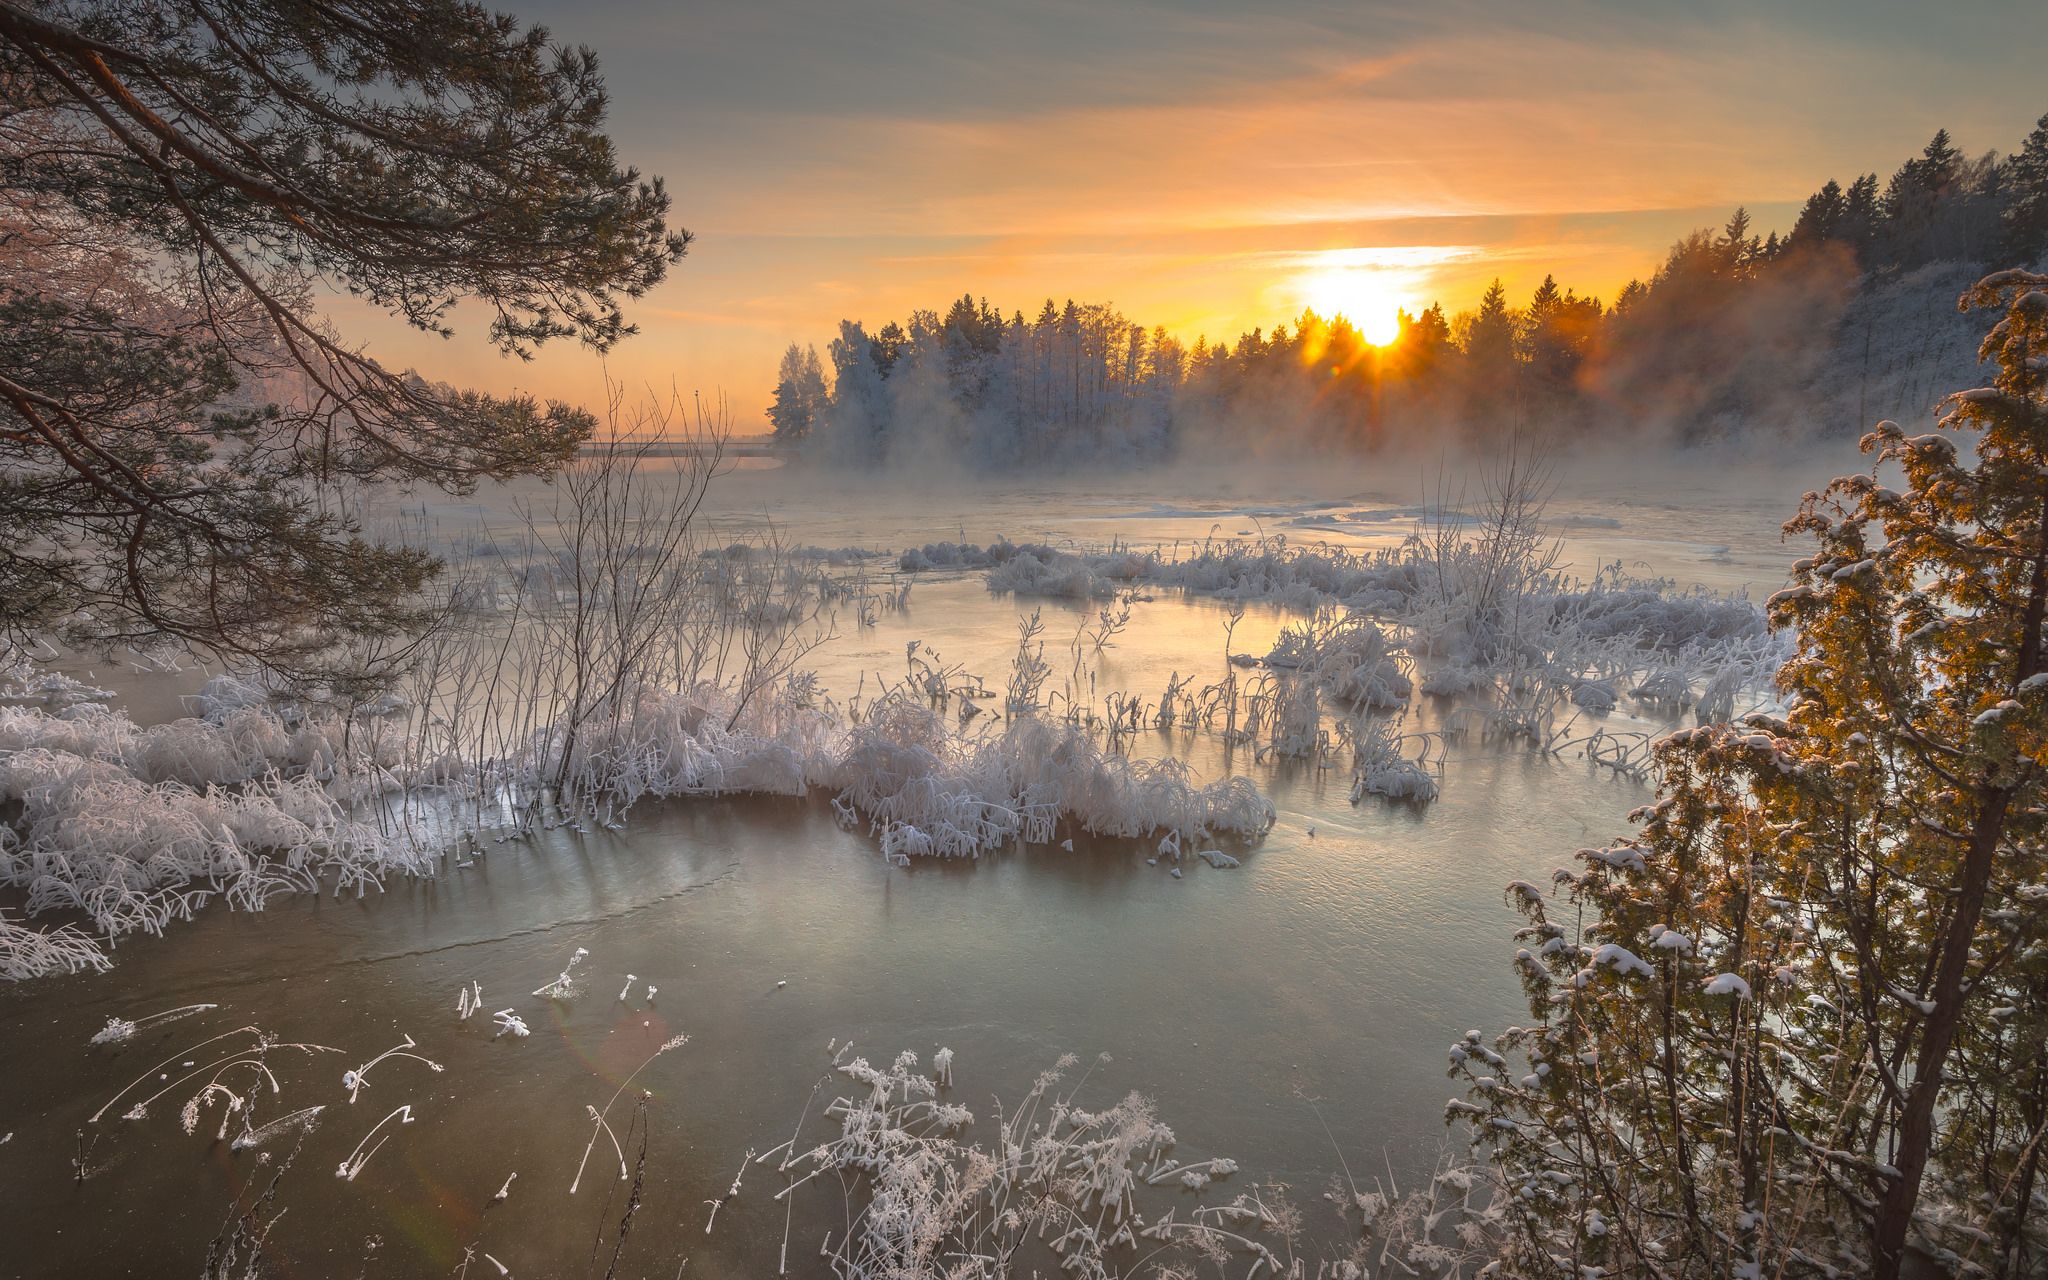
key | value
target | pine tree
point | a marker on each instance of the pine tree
(1914, 199)
(1629, 296)
(1490, 344)
(1554, 335)
(1737, 248)
(1861, 219)
(1820, 219)
(2026, 198)
(413, 153)
(1425, 339)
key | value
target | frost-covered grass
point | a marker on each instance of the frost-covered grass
(135, 828)
(1072, 1186)
(595, 656)
(1090, 1192)
(1441, 600)
(1474, 610)
(927, 791)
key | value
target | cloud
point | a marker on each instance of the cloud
(1189, 159)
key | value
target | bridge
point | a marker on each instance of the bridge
(692, 447)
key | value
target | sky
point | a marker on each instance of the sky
(1213, 167)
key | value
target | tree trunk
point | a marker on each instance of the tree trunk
(1916, 1123)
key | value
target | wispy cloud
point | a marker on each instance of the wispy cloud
(1199, 162)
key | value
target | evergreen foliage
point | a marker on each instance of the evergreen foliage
(180, 182)
(1795, 1025)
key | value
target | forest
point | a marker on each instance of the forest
(1819, 328)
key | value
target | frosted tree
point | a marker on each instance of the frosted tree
(1795, 1026)
(800, 395)
(858, 415)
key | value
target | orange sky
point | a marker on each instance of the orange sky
(1193, 162)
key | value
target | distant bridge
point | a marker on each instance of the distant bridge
(737, 447)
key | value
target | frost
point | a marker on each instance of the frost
(121, 1030)
(565, 987)
(925, 1193)
(927, 792)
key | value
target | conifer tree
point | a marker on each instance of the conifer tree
(1820, 218)
(1861, 218)
(1793, 1027)
(2026, 198)
(1737, 248)
(1490, 346)
(166, 465)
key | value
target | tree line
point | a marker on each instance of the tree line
(1728, 326)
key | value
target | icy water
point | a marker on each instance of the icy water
(1317, 985)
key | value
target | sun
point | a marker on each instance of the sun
(1360, 295)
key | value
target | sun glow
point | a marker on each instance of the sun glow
(1359, 294)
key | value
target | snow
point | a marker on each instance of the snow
(1993, 714)
(1619, 958)
(1726, 984)
(1664, 939)
(1619, 857)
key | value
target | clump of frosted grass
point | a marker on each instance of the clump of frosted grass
(925, 1201)
(656, 744)
(358, 1158)
(1381, 767)
(32, 953)
(359, 1079)
(1348, 654)
(23, 684)
(136, 828)
(926, 791)
(122, 1030)
(600, 1124)
(564, 987)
